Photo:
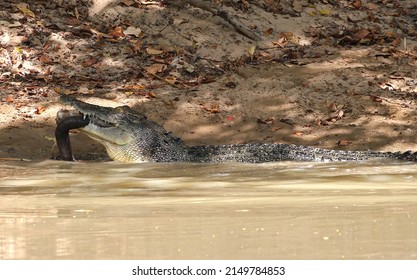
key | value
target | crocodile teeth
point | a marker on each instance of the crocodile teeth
(99, 122)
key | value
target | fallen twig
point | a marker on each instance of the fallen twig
(205, 5)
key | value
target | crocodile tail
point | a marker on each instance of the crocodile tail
(406, 156)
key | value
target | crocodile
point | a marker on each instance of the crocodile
(129, 136)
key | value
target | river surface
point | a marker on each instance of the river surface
(286, 210)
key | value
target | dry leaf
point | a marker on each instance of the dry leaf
(47, 71)
(344, 142)
(151, 95)
(213, 108)
(83, 89)
(297, 133)
(24, 8)
(61, 91)
(133, 31)
(156, 68)
(333, 107)
(263, 54)
(372, 6)
(361, 34)
(396, 42)
(137, 46)
(98, 33)
(390, 34)
(45, 59)
(268, 31)
(117, 32)
(134, 87)
(339, 114)
(72, 21)
(251, 50)
(40, 109)
(10, 25)
(275, 128)
(289, 36)
(9, 99)
(152, 51)
(171, 79)
(325, 12)
(281, 42)
(89, 62)
(357, 4)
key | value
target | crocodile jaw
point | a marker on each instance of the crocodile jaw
(118, 143)
(127, 135)
(104, 135)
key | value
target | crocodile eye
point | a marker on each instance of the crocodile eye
(122, 109)
(119, 109)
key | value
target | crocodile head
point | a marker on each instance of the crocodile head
(127, 135)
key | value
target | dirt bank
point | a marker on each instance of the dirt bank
(328, 75)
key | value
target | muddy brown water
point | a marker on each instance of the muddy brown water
(106, 210)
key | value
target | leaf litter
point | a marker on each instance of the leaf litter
(164, 57)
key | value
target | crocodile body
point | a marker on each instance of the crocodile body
(129, 136)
